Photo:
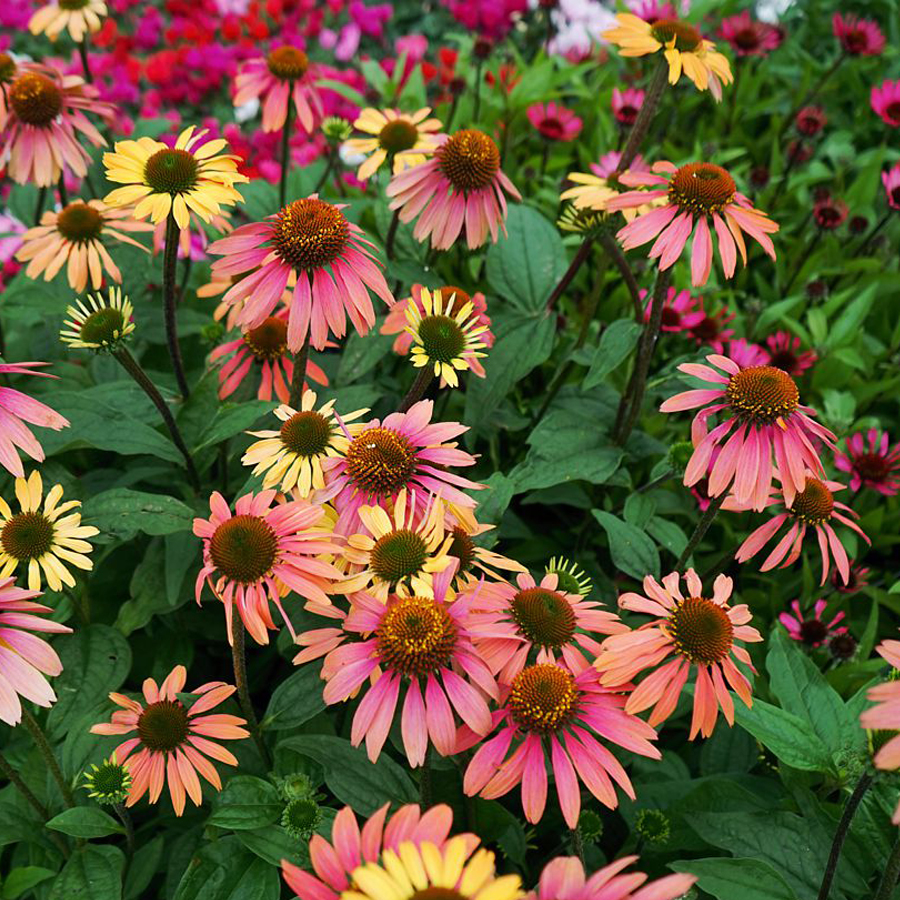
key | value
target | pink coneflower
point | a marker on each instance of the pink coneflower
(249, 555)
(885, 715)
(652, 10)
(858, 579)
(891, 182)
(564, 878)
(515, 626)
(830, 212)
(572, 717)
(461, 186)
(763, 417)
(798, 152)
(858, 37)
(172, 739)
(812, 630)
(885, 99)
(875, 466)
(627, 104)
(422, 645)
(694, 194)
(554, 121)
(405, 450)
(335, 271)
(682, 310)
(24, 658)
(710, 331)
(749, 37)
(16, 409)
(351, 846)
(285, 74)
(265, 349)
(700, 633)
(814, 507)
(745, 353)
(45, 110)
(810, 120)
(783, 351)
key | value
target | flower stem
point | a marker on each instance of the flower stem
(299, 375)
(840, 835)
(239, 660)
(392, 233)
(425, 787)
(580, 256)
(578, 843)
(416, 392)
(39, 205)
(802, 258)
(810, 96)
(133, 368)
(614, 252)
(711, 511)
(128, 825)
(170, 263)
(645, 116)
(329, 168)
(82, 52)
(43, 745)
(61, 187)
(286, 152)
(477, 108)
(891, 874)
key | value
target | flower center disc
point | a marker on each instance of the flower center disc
(163, 726)
(243, 548)
(287, 63)
(552, 128)
(79, 222)
(813, 631)
(442, 338)
(171, 171)
(462, 547)
(893, 109)
(306, 433)
(545, 617)
(35, 99)
(103, 327)
(416, 636)
(543, 697)
(470, 160)
(814, 504)
(784, 360)
(398, 135)
(72, 4)
(267, 341)
(380, 461)
(872, 466)
(686, 36)
(762, 394)
(747, 39)
(7, 67)
(701, 630)
(27, 536)
(110, 779)
(702, 188)
(398, 555)
(460, 298)
(310, 234)
(437, 893)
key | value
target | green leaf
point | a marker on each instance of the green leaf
(351, 777)
(361, 355)
(296, 700)
(23, 879)
(788, 736)
(595, 466)
(729, 879)
(92, 871)
(246, 802)
(225, 870)
(123, 513)
(85, 822)
(848, 324)
(347, 92)
(616, 343)
(233, 419)
(524, 266)
(143, 867)
(274, 844)
(632, 551)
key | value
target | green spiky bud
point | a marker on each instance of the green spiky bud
(301, 817)
(590, 825)
(653, 826)
(680, 455)
(108, 783)
(336, 130)
(572, 578)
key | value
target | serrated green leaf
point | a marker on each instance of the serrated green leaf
(632, 551)
(296, 700)
(616, 343)
(246, 802)
(123, 513)
(729, 879)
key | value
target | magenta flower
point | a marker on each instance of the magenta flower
(875, 466)
(891, 182)
(627, 104)
(710, 331)
(859, 579)
(745, 353)
(858, 37)
(608, 164)
(884, 716)
(783, 351)
(830, 212)
(682, 310)
(885, 99)
(314, 241)
(554, 121)
(749, 37)
(813, 630)
(761, 417)
(810, 120)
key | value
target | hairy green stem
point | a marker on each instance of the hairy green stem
(417, 390)
(239, 659)
(580, 256)
(170, 265)
(16, 781)
(298, 377)
(645, 116)
(840, 834)
(286, 152)
(709, 514)
(891, 874)
(82, 52)
(43, 745)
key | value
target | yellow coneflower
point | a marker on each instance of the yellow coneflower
(396, 134)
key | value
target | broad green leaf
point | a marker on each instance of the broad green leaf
(730, 879)
(143, 867)
(360, 355)
(273, 844)
(246, 802)
(848, 324)
(347, 92)
(92, 871)
(22, 879)
(85, 822)
(225, 870)
(632, 551)
(296, 700)
(616, 343)
(123, 513)
(594, 466)
(234, 419)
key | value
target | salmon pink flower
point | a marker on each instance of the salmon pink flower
(460, 187)
(173, 740)
(811, 630)
(858, 37)
(549, 710)
(783, 351)
(761, 417)
(885, 99)
(875, 466)
(692, 632)
(858, 580)
(885, 715)
(749, 37)
(891, 182)
(682, 310)
(554, 121)
(627, 104)
(314, 241)
(694, 194)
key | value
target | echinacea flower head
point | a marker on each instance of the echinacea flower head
(813, 507)
(783, 350)
(549, 711)
(284, 76)
(80, 17)
(76, 237)
(857, 580)
(689, 634)
(885, 99)
(857, 36)
(393, 133)
(418, 646)
(681, 311)
(255, 555)
(17, 409)
(291, 457)
(193, 176)
(45, 109)
(593, 190)
(572, 579)
(748, 36)
(745, 353)
(891, 182)
(685, 49)
(98, 323)
(171, 742)
(446, 335)
(694, 194)
(811, 630)
(536, 622)
(328, 255)
(25, 659)
(761, 417)
(710, 331)
(470, 556)
(460, 187)
(45, 536)
(871, 462)
(554, 121)
(109, 783)
(884, 716)
(627, 104)
(564, 878)
(830, 212)
(810, 120)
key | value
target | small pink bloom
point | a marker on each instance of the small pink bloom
(745, 353)
(554, 121)
(858, 37)
(682, 310)
(885, 714)
(750, 37)
(885, 100)
(783, 351)
(810, 120)
(871, 462)
(627, 104)
(608, 165)
(830, 213)
(710, 331)
(891, 182)
(812, 630)
(859, 579)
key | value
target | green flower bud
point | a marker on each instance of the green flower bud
(653, 826)
(108, 783)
